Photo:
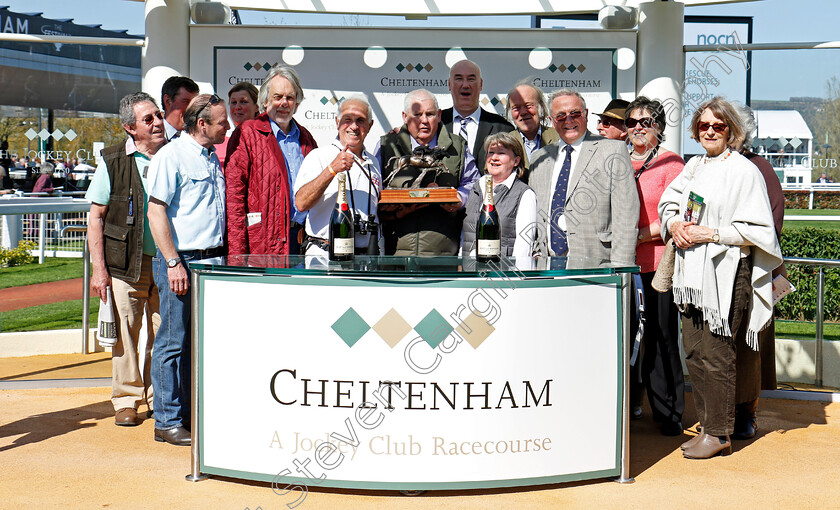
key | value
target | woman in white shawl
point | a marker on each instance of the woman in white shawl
(727, 249)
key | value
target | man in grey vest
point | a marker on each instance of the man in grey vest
(122, 247)
(425, 229)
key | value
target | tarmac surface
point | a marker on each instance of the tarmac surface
(60, 447)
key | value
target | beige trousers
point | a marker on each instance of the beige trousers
(131, 385)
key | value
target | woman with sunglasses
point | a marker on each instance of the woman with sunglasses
(719, 216)
(659, 371)
(242, 100)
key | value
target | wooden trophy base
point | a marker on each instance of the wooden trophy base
(419, 196)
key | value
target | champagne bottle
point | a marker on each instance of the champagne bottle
(488, 230)
(342, 242)
(107, 325)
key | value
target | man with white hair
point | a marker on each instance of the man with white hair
(527, 109)
(316, 186)
(426, 229)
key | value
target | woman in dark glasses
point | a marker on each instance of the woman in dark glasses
(719, 216)
(660, 367)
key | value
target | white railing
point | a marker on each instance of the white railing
(811, 187)
(42, 220)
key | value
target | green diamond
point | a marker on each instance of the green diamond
(433, 328)
(572, 68)
(350, 327)
(324, 100)
(248, 66)
(418, 67)
(494, 101)
(266, 66)
(552, 68)
(400, 67)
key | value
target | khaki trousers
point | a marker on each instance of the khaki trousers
(132, 386)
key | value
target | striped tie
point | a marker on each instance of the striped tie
(463, 132)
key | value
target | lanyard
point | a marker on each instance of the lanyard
(648, 162)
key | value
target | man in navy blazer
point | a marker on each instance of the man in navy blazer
(466, 116)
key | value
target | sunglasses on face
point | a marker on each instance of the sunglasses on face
(644, 122)
(150, 118)
(561, 117)
(718, 127)
(214, 99)
(609, 121)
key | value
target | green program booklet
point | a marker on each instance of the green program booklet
(693, 208)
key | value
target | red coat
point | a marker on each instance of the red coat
(257, 181)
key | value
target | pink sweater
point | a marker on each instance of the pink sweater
(651, 184)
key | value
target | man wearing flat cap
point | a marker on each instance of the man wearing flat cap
(611, 123)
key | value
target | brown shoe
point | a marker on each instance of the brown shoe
(127, 417)
(708, 447)
(179, 436)
(694, 440)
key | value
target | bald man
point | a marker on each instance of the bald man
(466, 118)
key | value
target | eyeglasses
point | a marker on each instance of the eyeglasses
(609, 121)
(561, 117)
(644, 122)
(150, 118)
(214, 99)
(719, 127)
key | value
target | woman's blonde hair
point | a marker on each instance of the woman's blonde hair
(723, 110)
(511, 142)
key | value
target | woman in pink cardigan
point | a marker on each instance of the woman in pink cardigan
(660, 367)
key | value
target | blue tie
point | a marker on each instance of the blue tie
(558, 203)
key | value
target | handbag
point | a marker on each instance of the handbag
(664, 275)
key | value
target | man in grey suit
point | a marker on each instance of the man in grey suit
(587, 203)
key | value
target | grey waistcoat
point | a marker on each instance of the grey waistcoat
(507, 203)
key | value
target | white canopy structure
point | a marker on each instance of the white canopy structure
(786, 141)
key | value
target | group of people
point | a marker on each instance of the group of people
(560, 190)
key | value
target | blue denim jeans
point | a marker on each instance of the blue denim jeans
(171, 353)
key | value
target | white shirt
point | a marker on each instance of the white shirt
(555, 174)
(188, 178)
(318, 219)
(472, 127)
(526, 217)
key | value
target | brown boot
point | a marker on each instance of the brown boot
(694, 440)
(745, 422)
(708, 447)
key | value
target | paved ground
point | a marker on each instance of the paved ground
(14, 298)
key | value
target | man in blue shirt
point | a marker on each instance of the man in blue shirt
(187, 217)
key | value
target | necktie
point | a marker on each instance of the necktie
(559, 243)
(463, 132)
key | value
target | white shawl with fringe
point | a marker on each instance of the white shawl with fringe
(704, 275)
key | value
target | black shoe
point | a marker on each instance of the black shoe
(745, 421)
(636, 413)
(179, 436)
(671, 428)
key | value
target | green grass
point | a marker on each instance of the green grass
(806, 330)
(64, 315)
(826, 225)
(812, 212)
(52, 270)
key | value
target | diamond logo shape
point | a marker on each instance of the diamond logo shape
(392, 328)
(58, 135)
(552, 68)
(419, 67)
(796, 142)
(475, 329)
(257, 65)
(410, 67)
(43, 134)
(562, 68)
(484, 101)
(400, 67)
(70, 135)
(433, 328)
(572, 68)
(324, 100)
(266, 66)
(494, 101)
(248, 66)
(428, 68)
(350, 327)
(581, 68)
(31, 133)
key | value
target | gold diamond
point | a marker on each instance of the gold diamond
(410, 67)
(581, 68)
(484, 101)
(333, 100)
(392, 327)
(475, 329)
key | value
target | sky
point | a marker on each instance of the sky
(776, 74)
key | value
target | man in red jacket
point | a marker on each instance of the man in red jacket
(264, 156)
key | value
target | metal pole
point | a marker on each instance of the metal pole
(626, 299)
(818, 358)
(86, 298)
(42, 236)
(195, 453)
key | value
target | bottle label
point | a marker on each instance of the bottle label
(489, 247)
(343, 246)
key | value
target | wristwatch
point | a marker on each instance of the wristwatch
(716, 236)
(173, 262)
